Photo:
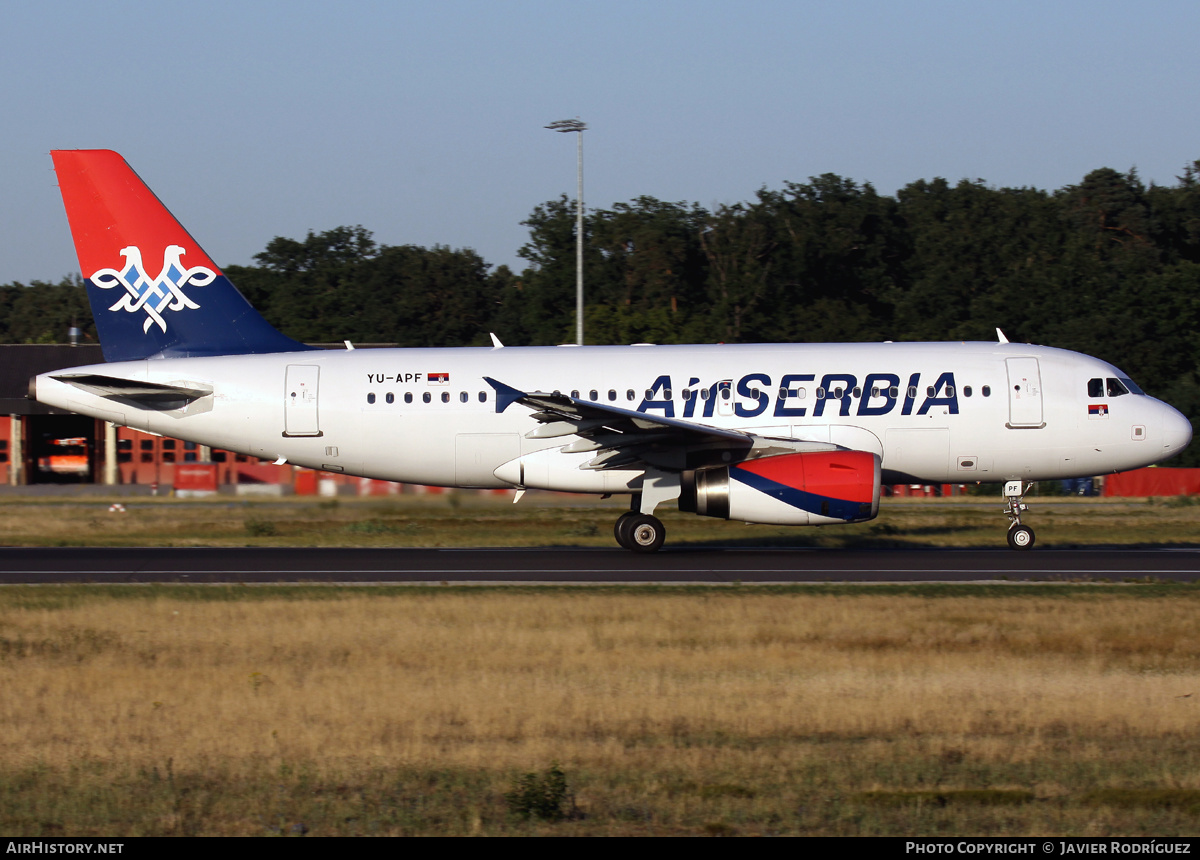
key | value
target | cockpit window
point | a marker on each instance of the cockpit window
(1116, 388)
(1095, 387)
(1130, 385)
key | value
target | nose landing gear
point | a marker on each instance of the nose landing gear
(1019, 536)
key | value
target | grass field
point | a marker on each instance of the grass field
(873, 710)
(914, 710)
(469, 519)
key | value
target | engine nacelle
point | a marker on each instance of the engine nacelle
(817, 488)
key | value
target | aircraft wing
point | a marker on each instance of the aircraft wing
(623, 438)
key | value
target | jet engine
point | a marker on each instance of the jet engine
(815, 488)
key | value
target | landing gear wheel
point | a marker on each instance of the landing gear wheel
(621, 529)
(645, 533)
(1020, 537)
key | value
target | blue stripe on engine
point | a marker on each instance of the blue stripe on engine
(823, 506)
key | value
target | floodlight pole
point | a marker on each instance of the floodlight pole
(566, 125)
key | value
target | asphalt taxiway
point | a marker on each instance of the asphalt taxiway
(581, 565)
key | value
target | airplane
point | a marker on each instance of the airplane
(791, 434)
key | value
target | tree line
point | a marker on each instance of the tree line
(1109, 267)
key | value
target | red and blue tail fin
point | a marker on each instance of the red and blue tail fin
(153, 290)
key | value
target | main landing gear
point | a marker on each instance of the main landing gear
(640, 532)
(1019, 536)
(638, 529)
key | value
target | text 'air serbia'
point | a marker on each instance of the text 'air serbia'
(787, 434)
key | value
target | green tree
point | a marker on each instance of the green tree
(547, 286)
(42, 312)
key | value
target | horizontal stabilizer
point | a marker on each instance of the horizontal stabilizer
(143, 395)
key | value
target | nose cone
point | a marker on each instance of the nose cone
(1177, 432)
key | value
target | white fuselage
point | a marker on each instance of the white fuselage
(934, 412)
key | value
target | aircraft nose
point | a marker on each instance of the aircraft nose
(1177, 431)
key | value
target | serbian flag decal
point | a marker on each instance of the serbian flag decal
(1097, 410)
(438, 378)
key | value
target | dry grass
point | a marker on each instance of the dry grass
(852, 710)
(468, 519)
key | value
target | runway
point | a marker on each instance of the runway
(574, 565)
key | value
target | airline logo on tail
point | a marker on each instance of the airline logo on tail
(153, 296)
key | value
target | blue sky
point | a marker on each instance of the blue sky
(424, 121)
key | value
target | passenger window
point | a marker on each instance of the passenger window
(389, 397)
(912, 391)
(1095, 388)
(612, 394)
(408, 397)
(371, 397)
(574, 393)
(703, 393)
(893, 392)
(820, 393)
(426, 397)
(1115, 388)
(875, 391)
(629, 395)
(666, 394)
(986, 391)
(966, 391)
(445, 396)
(858, 392)
(463, 397)
(949, 390)
(483, 397)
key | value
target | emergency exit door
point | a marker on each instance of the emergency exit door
(300, 400)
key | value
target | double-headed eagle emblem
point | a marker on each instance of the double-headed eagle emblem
(154, 296)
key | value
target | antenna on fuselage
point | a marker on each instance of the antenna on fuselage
(1000, 336)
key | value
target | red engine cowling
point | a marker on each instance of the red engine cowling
(815, 488)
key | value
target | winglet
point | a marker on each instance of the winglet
(506, 395)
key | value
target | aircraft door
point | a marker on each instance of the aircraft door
(300, 400)
(1024, 393)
